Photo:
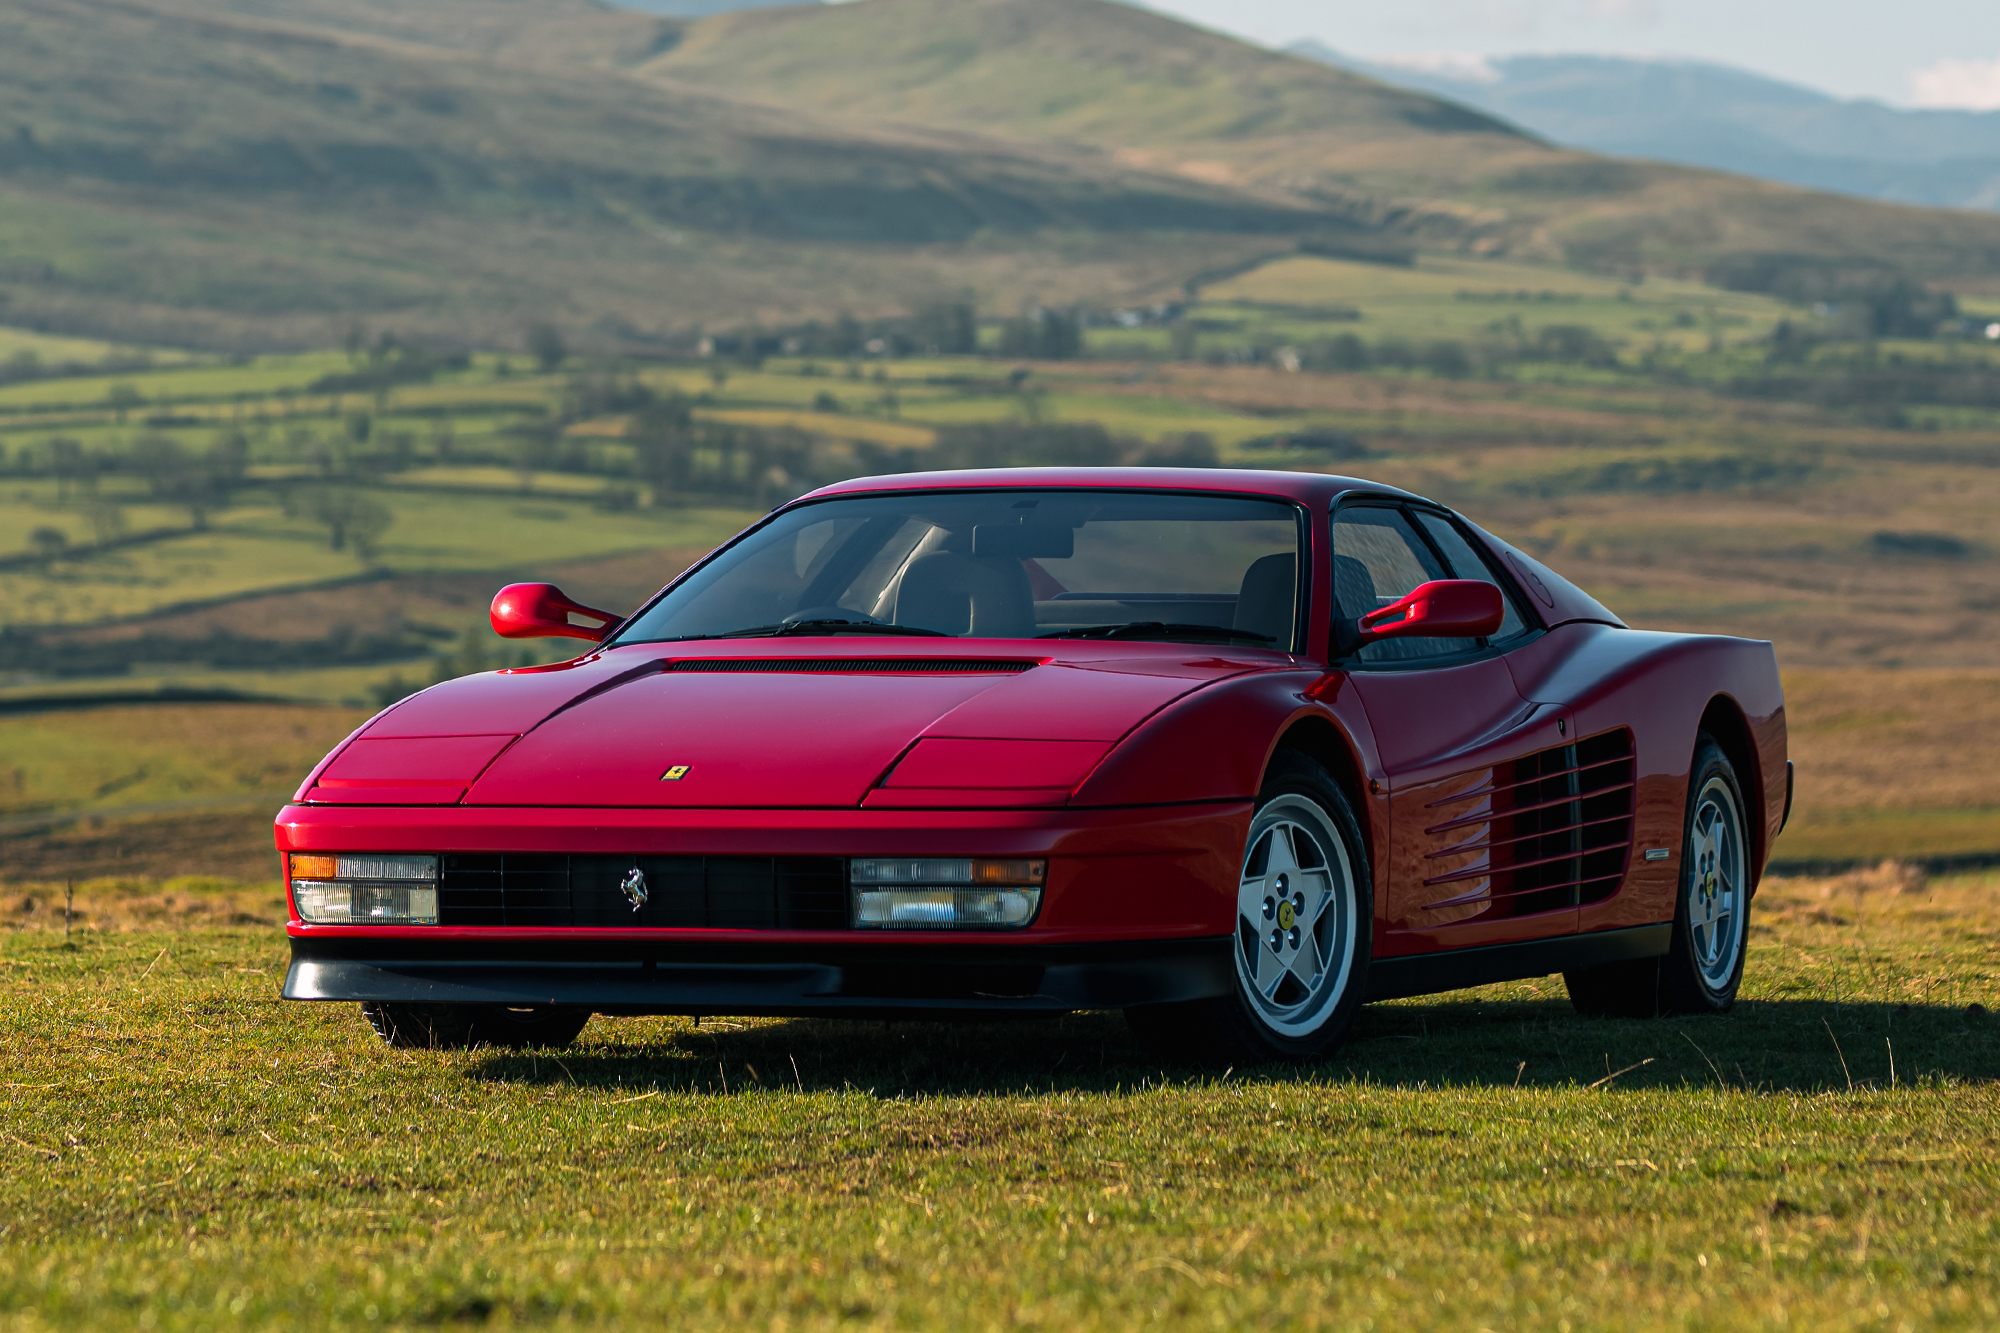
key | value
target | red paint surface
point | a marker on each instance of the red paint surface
(1131, 767)
(1113, 874)
(429, 770)
(944, 762)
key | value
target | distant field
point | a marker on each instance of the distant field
(186, 1150)
(1442, 297)
(1891, 763)
(252, 549)
(53, 349)
(1856, 540)
(101, 759)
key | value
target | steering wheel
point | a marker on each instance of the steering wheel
(829, 613)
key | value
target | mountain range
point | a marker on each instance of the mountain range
(250, 173)
(1710, 115)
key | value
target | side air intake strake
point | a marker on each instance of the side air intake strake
(1550, 830)
(869, 666)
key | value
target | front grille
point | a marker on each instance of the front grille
(716, 892)
(871, 666)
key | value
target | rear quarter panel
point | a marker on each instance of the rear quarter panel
(1660, 685)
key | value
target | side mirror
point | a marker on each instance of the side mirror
(1445, 609)
(541, 611)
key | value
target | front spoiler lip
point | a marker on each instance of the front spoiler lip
(656, 977)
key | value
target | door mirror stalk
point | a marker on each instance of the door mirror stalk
(1442, 609)
(542, 611)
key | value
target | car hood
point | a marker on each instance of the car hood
(757, 724)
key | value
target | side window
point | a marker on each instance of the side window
(1378, 558)
(1466, 564)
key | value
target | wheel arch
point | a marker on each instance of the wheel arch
(1320, 740)
(1724, 720)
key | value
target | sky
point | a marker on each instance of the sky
(1911, 53)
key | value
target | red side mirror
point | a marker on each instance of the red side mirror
(541, 611)
(1446, 609)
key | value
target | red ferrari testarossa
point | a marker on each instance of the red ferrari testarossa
(1234, 752)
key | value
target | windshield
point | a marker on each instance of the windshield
(1002, 564)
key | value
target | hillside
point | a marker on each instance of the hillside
(558, 32)
(1708, 115)
(209, 177)
(258, 173)
(1092, 71)
(1169, 96)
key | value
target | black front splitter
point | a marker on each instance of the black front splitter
(791, 980)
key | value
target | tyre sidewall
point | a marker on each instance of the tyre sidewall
(1682, 987)
(1292, 774)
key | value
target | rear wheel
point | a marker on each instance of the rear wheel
(1703, 966)
(443, 1027)
(1304, 924)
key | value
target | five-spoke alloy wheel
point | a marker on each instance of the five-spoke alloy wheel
(1703, 965)
(1304, 924)
(1296, 930)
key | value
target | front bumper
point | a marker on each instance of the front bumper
(662, 976)
(1148, 873)
(1137, 910)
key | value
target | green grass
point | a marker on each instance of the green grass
(182, 1150)
(1851, 834)
(107, 758)
(255, 548)
(339, 686)
(49, 349)
(1443, 297)
(260, 377)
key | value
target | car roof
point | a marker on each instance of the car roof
(1313, 488)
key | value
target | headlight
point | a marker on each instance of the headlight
(900, 894)
(365, 890)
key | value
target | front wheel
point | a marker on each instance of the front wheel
(1304, 925)
(442, 1027)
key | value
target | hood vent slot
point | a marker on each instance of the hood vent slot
(872, 666)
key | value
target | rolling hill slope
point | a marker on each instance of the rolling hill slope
(1169, 96)
(208, 176)
(271, 172)
(555, 32)
(1089, 70)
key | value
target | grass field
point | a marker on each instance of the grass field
(183, 1150)
(104, 758)
(255, 548)
(1867, 549)
(1446, 297)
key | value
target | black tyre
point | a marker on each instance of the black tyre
(1703, 966)
(1304, 930)
(443, 1027)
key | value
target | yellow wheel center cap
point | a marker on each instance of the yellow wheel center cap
(1286, 916)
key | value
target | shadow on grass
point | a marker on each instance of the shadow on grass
(1762, 1046)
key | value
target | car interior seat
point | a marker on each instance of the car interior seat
(1266, 605)
(985, 597)
(1353, 587)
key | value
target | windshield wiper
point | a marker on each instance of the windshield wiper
(786, 627)
(1157, 629)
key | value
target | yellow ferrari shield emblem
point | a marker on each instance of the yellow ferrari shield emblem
(1286, 916)
(676, 773)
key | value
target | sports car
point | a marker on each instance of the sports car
(1234, 752)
